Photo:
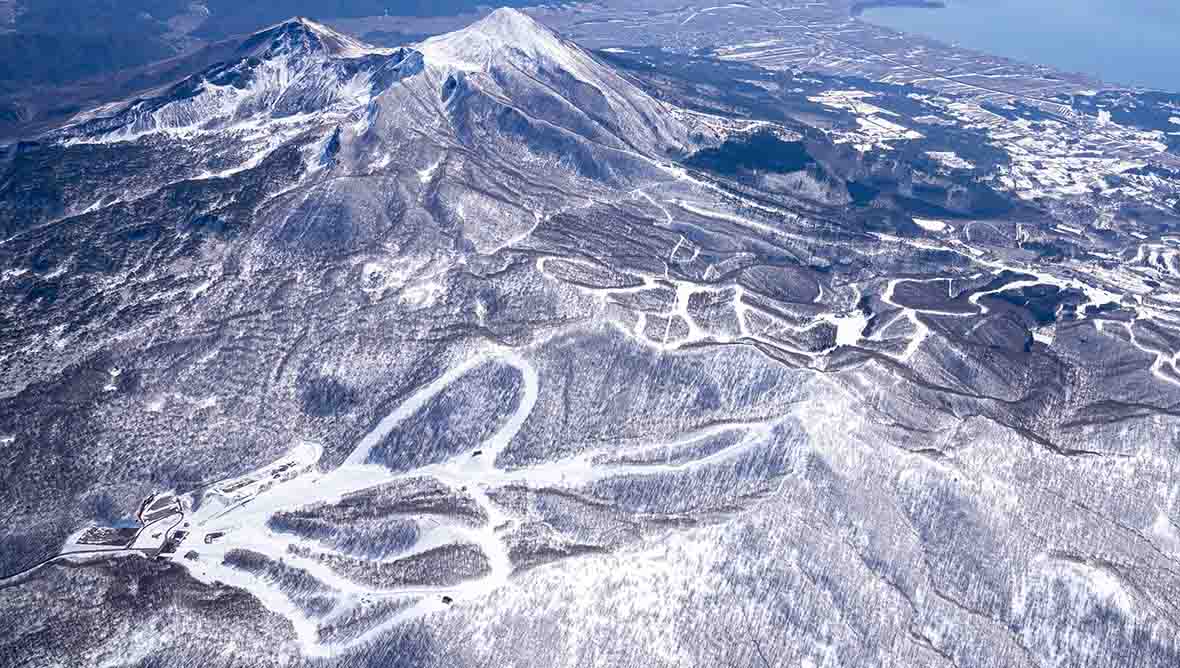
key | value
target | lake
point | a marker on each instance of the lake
(1132, 42)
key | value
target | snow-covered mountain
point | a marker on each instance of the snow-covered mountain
(480, 79)
(510, 56)
(283, 74)
(483, 120)
(475, 353)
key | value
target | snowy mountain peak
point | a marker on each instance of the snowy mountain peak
(510, 25)
(293, 70)
(511, 56)
(506, 71)
(302, 35)
(503, 32)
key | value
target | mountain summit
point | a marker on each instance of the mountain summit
(504, 33)
(303, 34)
(298, 69)
(503, 116)
(508, 54)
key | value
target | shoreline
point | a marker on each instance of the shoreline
(1124, 68)
(863, 6)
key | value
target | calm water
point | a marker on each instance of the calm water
(1135, 42)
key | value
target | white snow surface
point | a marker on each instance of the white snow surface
(930, 225)
(473, 48)
(303, 69)
(340, 44)
(511, 42)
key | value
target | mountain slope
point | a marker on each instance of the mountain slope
(540, 125)
(295, 68)
(511, 54)
(467, 354)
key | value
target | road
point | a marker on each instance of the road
(176, 519)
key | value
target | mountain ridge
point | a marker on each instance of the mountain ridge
(300, 66)
(299, 31)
